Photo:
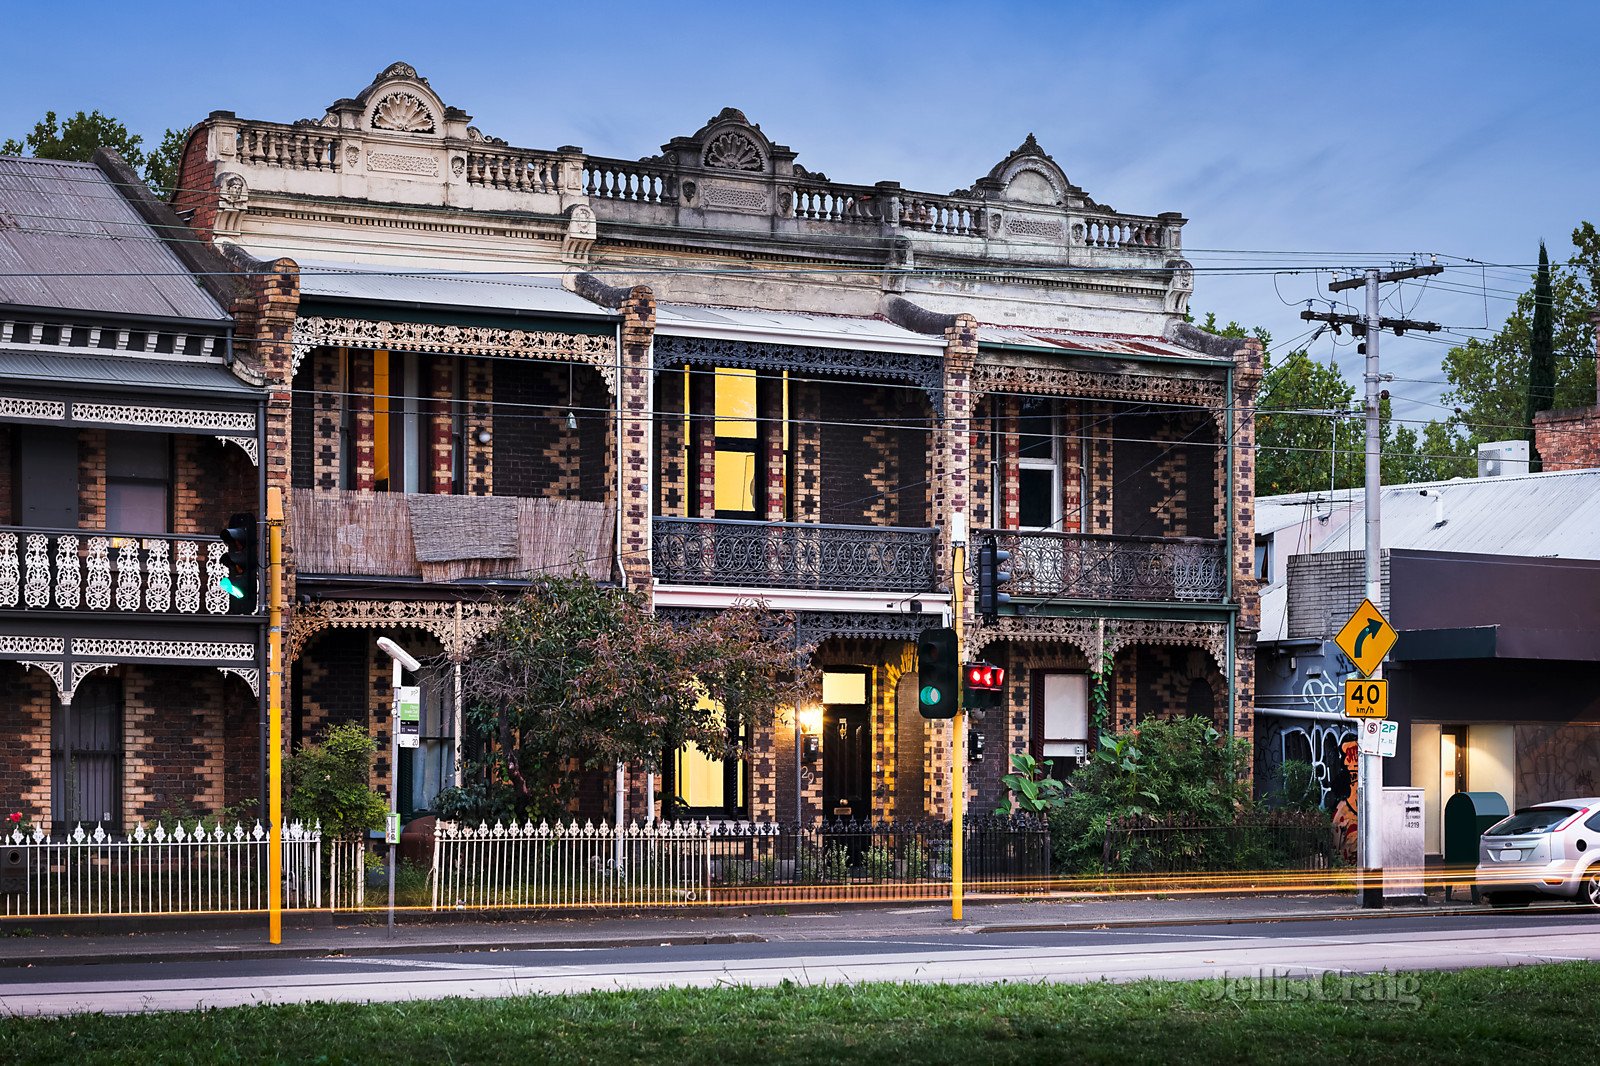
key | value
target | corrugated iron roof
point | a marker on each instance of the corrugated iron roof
(121, 371)
(390, 284)
(850, 331)
(1554, 515)
(1075, 340)
(70, 240)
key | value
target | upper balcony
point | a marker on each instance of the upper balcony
(792, 555)
(76, 570)
(1084, 566)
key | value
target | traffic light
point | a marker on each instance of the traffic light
(985, 682)
(991, 575)
(938, 673)
(975, 745)
(239, 537)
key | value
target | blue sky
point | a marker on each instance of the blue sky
(1329, 133)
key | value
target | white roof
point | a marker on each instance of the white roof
(792, 327)
(433, 287)
(1124, 344)
(1554, 515)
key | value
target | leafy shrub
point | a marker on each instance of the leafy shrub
(474, 804)
(1294, 787)
(878, 862)
(1030, 788)
(828, 863)
(915, 856)
(329, 783)
(1177, 767)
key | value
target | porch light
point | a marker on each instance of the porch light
(810, 721)
(483, 436)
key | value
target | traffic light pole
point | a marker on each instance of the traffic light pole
(957, 742)
(275, 715)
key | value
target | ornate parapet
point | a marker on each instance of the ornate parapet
(456, 625)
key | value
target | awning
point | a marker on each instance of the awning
(395, 286)
(122, 372)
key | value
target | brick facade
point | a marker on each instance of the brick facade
(25, 702)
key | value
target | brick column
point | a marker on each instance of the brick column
(633, 408)
(769, 406)
(806, 399)
(703, 439)
(363, 474)
(1246, 589)
(480, 417)
(328, 405)
(950, 468)
(441, 428)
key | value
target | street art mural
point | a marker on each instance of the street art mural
(1329, 746)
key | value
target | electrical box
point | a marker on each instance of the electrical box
(1400, 826)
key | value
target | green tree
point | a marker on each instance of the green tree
(1541, 348)
(330, 783)
(77, 138)
(1490, 378)
(580, 675)
(1301, 443)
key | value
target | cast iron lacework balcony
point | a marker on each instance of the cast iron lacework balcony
(1085, 566)
(91, 570)
(792, 555)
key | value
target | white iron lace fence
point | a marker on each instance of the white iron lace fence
(197, 870)
(595, 865)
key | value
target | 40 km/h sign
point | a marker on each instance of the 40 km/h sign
(1366, 699)
(1366, 638)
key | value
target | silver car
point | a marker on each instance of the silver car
(1551, 849)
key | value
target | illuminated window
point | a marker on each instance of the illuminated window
(399, 430)
(701, 785)
(734, 479)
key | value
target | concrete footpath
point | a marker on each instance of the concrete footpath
(22, 946)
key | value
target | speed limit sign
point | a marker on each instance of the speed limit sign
(1366, 699)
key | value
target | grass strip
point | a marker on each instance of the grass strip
(1465, 1017)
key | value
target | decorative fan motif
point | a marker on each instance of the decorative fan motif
(403, 113)
(733, 151)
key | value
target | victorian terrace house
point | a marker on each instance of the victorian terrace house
(713, 374)
(130, 436)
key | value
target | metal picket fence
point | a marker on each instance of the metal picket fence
(183, 871)
(566, 865)
(1282, 840)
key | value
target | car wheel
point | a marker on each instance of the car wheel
(1589, 889)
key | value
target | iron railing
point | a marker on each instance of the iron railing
(1279, 841)
(664, 863)
(185, 871)
(1085, 566)
(793, 555)
(92, 570)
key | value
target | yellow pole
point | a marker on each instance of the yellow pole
(957, 745)
(275, 715)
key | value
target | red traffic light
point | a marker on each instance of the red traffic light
(985, 677)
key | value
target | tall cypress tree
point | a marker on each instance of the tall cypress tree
(1541, 351)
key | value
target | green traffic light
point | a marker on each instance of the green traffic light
(227, 585)
(930, 695)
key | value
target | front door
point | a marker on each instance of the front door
(1452, 766)
(846, 763)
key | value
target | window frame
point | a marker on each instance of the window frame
(1052, 464)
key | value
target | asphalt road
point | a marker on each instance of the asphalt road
(1251, 949)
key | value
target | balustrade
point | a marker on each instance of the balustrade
(89, 570)
(1119, 232)
(294, 147)
(837, 203)
(613, 179)
(708, 551)
(533, 172)
(938, 214)
(1085, 566)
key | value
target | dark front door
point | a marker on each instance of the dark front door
(846, 763)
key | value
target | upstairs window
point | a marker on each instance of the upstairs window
(1038, 466)
(138, 482)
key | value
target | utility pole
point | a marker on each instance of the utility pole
(1369, 775)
